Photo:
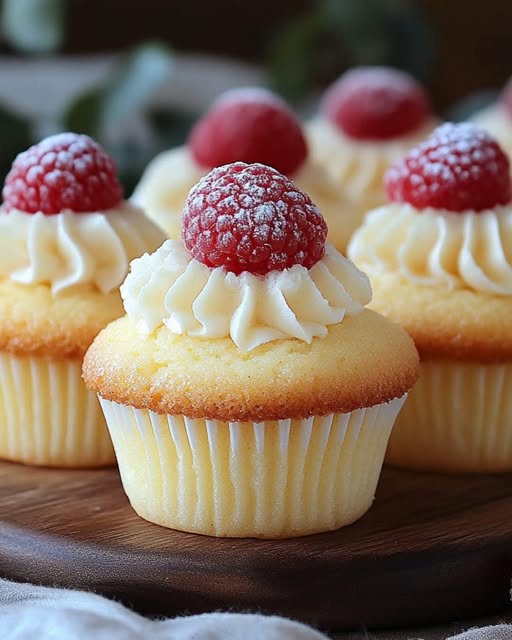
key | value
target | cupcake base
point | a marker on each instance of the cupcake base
(458, 418)
(272, 479)
(48, 417)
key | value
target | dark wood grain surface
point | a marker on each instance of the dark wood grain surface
(432, 549)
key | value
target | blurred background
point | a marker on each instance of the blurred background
(136, 73)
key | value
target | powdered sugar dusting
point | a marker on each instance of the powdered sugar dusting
(65, 171)
(460, 167)
(262, 221)
(376, 103)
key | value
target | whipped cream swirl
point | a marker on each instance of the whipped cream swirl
(339, 211)
(498, 122)
(438, 248)
(164, 187)
(71, 249)
(359, 165)
(171, 288)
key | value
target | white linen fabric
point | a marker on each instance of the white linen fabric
(494, 632)
(28, 611)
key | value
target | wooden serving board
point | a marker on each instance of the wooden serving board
(432, 549)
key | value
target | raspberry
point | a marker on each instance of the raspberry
(249, 125)
(376, 103)
(252, 218)
(459, 167)
(65, 171)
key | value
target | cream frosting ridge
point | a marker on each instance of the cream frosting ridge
(359, 165)
(164, 187)
(498, 122)
(438, 248)
(70, 249)
(338, 209)
(171, 288)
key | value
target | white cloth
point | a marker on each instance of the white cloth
(28, 612)
(495, 632)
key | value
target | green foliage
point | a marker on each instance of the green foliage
(84, 114)
(169, 128)
(337, 34)
(292, 56)
(308, 53)
(126, 93)
(465, 108)
(34, 26)
(16, 135)
(360, 28)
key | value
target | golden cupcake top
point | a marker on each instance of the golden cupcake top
(248, 125)
(251, 316)
(449, 220)
(253, 266)
(63, 220)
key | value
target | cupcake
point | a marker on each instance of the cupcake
(497, 119)
(249, 125)
(67, 238)
(248, 392)
(367, 119)
(439, 256)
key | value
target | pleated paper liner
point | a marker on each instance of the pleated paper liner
(48, 417)
(270, 479)
(458, 417)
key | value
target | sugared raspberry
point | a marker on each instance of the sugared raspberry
(459, 167)
(376, 103)
(249, 125)
(65, 171)
(252, 218)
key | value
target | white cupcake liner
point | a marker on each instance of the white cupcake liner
(48, 417)
(269, 479)
(458, 417)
